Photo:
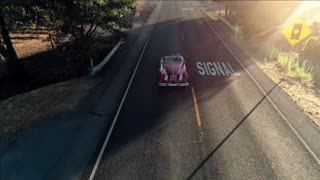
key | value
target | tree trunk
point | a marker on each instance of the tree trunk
(90, 28)
(51, 42)
(94, 29)
(12, 62)
(3, 50)
(82, 29)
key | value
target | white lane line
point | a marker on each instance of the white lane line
(187, 9)
(269, 99)
(122, 101)
(182, 36)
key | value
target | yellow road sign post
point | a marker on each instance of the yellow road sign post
(295, 32)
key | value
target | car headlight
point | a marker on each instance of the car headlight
(165, 77)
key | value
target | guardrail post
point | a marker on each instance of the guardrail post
(98, 67)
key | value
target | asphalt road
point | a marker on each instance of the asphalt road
(237, 134)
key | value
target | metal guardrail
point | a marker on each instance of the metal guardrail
(95, 69)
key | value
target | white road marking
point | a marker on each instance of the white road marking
(219, 68)
(226, 69)
(211, 69)
(206, 68)
(122, 100)
(200, 68)
(237, 74)
(182, 36)
(187, 9)
(231, 69)
(215, 68)
(269, 99)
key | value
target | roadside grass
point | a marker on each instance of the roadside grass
(272, 54)
(294, 65)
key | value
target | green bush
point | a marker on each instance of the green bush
(304, 71)
(296, 67)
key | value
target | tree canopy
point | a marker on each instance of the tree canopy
(76, 19)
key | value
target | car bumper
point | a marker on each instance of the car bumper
(174, 84)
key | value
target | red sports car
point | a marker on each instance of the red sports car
(173, 71)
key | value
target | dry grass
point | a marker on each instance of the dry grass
(26, 45)
(29, 44)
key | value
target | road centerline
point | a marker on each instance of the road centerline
(196, 107)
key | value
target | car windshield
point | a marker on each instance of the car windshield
(173, 59)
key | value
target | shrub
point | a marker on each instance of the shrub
(296, 67)
(304, 71)
(273, 54)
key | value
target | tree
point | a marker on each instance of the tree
(123, 12)
(6, 47)
(66, 19)
(81, 18)
(17, 15)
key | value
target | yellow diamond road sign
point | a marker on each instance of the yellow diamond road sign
(296, 31)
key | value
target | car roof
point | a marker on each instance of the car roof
(173, 58)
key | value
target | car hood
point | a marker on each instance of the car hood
(172, 69)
